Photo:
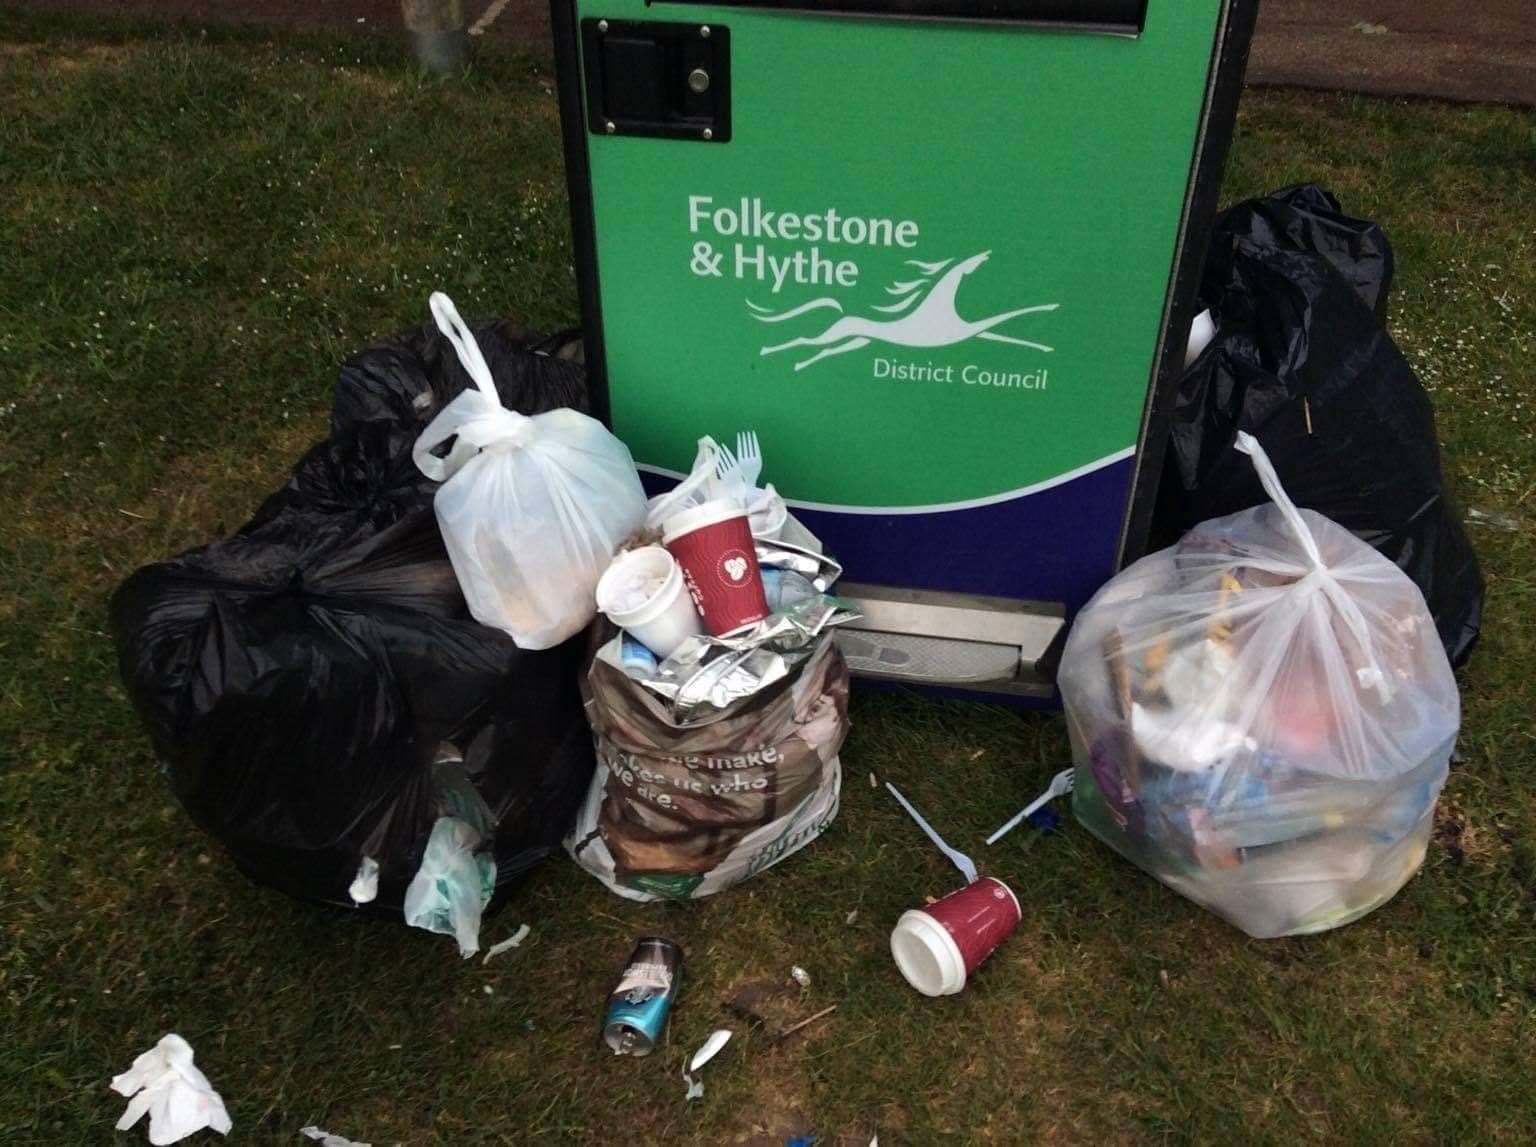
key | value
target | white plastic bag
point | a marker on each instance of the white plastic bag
(1262, 717)
(764, 504)
(531, 508)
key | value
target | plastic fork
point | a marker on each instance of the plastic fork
(961, 861)
(750, 456)
(1061, 784)
(729, 482)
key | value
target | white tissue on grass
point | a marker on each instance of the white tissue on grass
(365, 885)
(180, 1100)
(326, 1139)
(711, 1048)
(800, 976)
(453, 885)
(511, 941)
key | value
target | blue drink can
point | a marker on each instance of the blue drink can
(640, 1001)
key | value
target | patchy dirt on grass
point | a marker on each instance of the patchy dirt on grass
(76, 58)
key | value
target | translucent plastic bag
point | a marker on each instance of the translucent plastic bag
(531, 508)
(453, 885)
(1262, 717)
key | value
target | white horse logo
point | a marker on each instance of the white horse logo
(931, 322)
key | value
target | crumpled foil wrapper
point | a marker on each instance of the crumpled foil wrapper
(709, 678)
(821, 570)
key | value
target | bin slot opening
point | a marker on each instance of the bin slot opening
(1125, 17)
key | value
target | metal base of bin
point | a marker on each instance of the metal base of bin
(926, 637)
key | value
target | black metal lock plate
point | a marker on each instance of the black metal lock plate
(655, 78)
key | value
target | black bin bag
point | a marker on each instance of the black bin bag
(1302, 361)
(406, 381)
(314, 687)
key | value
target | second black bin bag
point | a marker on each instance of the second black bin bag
(1303, 361)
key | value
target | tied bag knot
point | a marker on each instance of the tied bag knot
(1370, 674)
(474, 424)
(476, 419)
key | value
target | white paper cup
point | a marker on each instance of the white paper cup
(665, 619)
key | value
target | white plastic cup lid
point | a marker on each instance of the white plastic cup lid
(927, 955)
(697, 517)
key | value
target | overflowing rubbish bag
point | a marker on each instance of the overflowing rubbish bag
(317, 692)
(720, 711)
(1262, 717)
(531, 507)
(1301, 358)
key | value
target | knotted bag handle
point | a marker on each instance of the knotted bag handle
(475, 419)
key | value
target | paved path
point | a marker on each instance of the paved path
(1471, 50)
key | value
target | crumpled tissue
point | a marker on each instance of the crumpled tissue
(511, 941)
(178, 1097)
(365, 885)
(326, 1139)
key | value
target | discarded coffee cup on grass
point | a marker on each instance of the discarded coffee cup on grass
(713, 543)
(937, 947)
(642, 593)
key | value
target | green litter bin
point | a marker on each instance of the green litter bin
(939, 254)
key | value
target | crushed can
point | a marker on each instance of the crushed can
(640, 1001)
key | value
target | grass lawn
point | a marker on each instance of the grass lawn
(194, 230)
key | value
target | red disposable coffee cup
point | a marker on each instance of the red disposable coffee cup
(938, 947)
(713, 544)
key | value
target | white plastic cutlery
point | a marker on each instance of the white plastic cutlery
(749, 455)
(729, 481)
(1061, 784)
(957, 858)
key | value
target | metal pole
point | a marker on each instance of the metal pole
(437, 33)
